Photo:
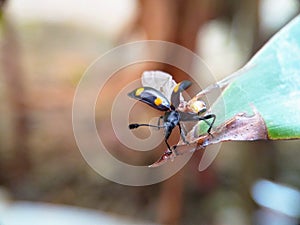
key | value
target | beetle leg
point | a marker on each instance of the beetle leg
(158, 122)
(183, 129)
(207, 117)
(208, 123)
(136, 125)
(166, 141)
(182, 134)
(168, 132)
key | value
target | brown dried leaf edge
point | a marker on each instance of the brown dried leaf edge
(241, 127)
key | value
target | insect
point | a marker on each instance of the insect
(172, 117)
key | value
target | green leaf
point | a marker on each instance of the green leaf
(260, 101)
(269, 83)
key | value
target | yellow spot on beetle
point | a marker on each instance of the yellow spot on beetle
(157, 101)
(176, 88)
(139, 91)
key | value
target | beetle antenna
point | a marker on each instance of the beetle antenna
(136, 125)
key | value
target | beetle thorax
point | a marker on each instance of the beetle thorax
(171, 118)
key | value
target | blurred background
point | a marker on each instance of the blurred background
(45, 48)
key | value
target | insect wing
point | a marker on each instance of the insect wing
(151, 97)
(159, 80)
(180, 87)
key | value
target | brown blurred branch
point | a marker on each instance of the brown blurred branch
(175, 21)
(13, 75)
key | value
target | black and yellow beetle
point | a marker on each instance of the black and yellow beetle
(172, 116)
